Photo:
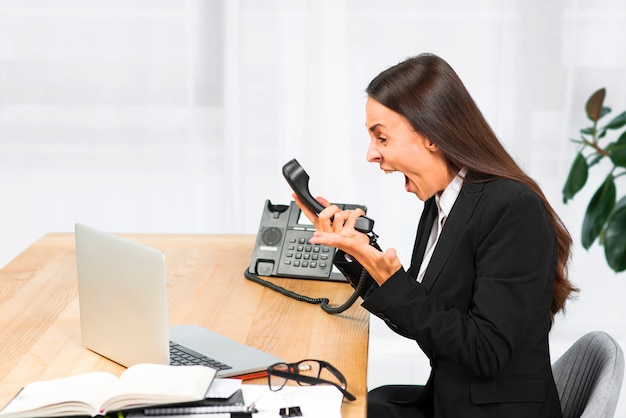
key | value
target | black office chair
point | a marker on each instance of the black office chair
(589, 377)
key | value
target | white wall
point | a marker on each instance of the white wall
(176, 116)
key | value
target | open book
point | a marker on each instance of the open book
(97, 393)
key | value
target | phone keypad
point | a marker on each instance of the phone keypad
(307, 259)
(301, 253)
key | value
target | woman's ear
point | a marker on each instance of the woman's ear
(430, 145)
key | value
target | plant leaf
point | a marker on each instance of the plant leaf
(617, 122)
(598, 211)
(577, 177)
(596, 157)
(594, 104)
(617, 151)
(605, 111)
(615, 239)
(587, 131)
(620, 204)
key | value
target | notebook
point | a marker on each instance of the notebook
(123, 309)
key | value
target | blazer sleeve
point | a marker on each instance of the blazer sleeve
(513, 248)
(352, 269)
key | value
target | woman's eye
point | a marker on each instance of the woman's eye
(381, 139)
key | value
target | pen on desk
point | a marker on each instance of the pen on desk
(253, 375)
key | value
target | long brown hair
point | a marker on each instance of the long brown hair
(428, 92)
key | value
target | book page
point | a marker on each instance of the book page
(153, 384)
(74, 395)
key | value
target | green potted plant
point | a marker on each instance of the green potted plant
(605, 217)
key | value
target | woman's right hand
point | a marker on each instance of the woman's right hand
(335, 228)
(333, 219)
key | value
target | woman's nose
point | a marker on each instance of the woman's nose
(372, 154)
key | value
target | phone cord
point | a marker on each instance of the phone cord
(323, 302)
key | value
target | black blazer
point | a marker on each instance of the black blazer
(482, 311)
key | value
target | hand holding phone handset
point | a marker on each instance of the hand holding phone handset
(298, 179)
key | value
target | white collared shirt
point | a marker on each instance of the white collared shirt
(445, 201)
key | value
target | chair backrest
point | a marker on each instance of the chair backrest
(589, 376)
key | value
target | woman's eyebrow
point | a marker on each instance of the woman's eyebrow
(373, 127)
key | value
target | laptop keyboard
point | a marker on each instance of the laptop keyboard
(183, 356)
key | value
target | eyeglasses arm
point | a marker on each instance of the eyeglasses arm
(312, 381)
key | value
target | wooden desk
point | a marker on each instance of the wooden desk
(40, 325)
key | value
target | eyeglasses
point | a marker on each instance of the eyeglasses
(307, 372)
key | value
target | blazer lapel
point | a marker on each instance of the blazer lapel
(456, 222)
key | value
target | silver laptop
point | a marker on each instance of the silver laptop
(123, 310)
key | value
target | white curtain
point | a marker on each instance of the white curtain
(177, 115)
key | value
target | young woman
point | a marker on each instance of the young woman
(489, 265)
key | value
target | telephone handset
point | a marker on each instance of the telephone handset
(298, 179)
(283, 248)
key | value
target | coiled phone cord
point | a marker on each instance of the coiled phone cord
(323, 302)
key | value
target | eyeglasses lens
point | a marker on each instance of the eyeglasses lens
(277, 382)
(316, 370)
(309, 368)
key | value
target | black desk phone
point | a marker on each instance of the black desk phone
(283, 247)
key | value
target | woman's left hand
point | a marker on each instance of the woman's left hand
(380, 265)
(341, 234)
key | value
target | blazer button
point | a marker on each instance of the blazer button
(389, 323)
